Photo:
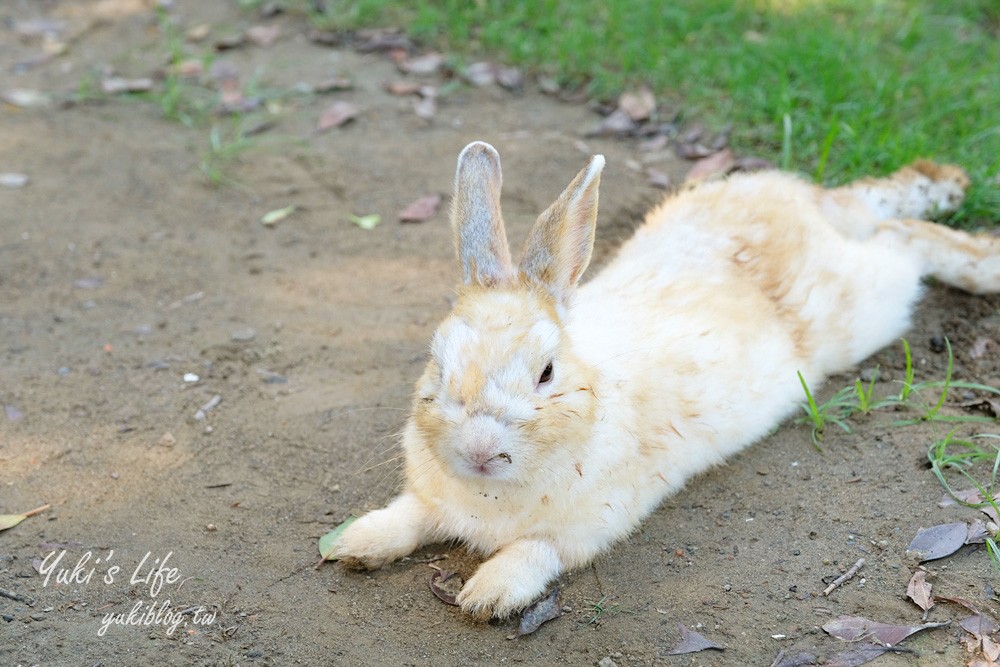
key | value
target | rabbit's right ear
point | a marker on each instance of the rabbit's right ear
(480, 239)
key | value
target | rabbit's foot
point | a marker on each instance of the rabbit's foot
(384, 535)
(511, 580)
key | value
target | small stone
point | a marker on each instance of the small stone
(606, 661)
(167, 440)
(191, 377)
(211, 528)
(11, 180)
(243, 335)
(937, 344)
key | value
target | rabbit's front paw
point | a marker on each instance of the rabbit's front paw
(511, 580)
(384, 535)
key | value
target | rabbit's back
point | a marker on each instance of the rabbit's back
(728, 289)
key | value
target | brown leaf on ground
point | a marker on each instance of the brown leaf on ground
(333, 84)
(981, 346)
(692, 642)
(960, 601)
(116, 85)
(658, 179)
(854, 628)
(509, 78)
(978, 532)
(382, 39)
(263, 35)
(794, 660)
(228, 42)
(938, 541)
(919, 590)
(446, 585)
(615, 123)
(751, 164)
(971, 496)
(422, 209)
(540, 612)
(693, 151)
(990, 406)
(422, 65)
(25, 98)
(638, 105)
(979, 625)
(713, 165)
(480, 74)
(402, 88)
(336, 115)
(856, 656)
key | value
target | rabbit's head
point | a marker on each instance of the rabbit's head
(503, 392)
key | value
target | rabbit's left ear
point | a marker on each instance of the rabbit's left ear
(560, 244)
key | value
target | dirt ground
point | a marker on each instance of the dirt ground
(125, 273)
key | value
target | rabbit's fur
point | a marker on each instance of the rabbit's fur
(679, 353)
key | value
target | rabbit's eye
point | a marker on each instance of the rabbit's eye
(546, 375)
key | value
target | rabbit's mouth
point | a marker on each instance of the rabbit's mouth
(486, 464)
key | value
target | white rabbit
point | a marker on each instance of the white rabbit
(552, 419)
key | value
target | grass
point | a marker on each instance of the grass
(960, 456)
(835, 89)
(858, 398)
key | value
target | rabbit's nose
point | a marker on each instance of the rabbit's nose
(484, 442)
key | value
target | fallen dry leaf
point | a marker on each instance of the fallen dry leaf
(116, 85)
(425, 106)
(540, 612)
(335, 115)
(11, 180)
(333, 84)
(615, 123)
(509, 78)
(480, 74)
(263, 35)
(919, 590)
(25, 98)
(367, 222)
(227, 42)
(795, 660)
(856, 656)
(961, 601)
(938, 541)
(980, 346)
(328, 541)
(272, 218)
(32, 28)
(978, 532)
(382, 39)
(11, 520)
(990, 406)
(422, 209)
(402, 88)
(446, 585)
(854, 628)
(979, 625)
(658, 179)
(422, 65)
(713, 165)
(750, 164)
(638, 105)
(692, 642)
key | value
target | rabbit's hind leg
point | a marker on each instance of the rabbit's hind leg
(921, 190)
(970, 262)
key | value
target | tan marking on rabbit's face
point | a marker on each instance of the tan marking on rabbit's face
(480, 407)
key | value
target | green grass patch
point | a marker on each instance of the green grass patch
(836, 89)
(954, 459)
(859, 398)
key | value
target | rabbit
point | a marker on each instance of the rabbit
(553, 417)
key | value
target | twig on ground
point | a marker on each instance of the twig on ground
(844, 577)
